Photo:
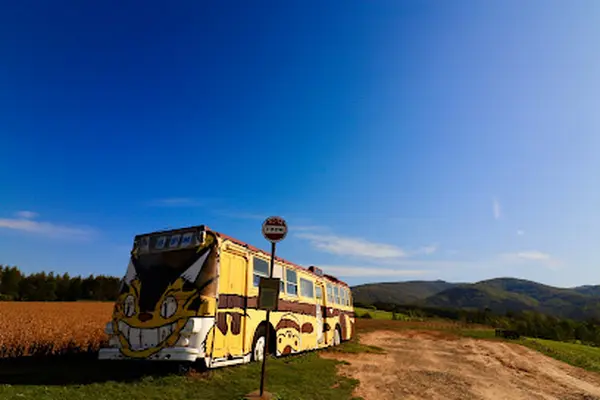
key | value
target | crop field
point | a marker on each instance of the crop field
(51, 328)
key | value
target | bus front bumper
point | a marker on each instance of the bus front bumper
(168, 354)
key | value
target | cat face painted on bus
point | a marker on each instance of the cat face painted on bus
(288, 335)
(155, 304)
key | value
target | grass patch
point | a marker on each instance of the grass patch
(478, 333)
(306, 376)
(379, 314)
(579, 355)
(371, 325)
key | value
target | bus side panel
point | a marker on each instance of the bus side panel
(308, 329)
(253, 316)
(309, 332)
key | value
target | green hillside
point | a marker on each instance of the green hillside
(480, 297)
(590, 290)
(499, 295)
(398, 292)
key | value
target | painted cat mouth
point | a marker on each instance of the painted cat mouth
(145, 338)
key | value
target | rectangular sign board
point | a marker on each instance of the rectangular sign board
(268, 293)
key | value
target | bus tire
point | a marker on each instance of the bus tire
(337, 336)
(184, 367)
(259, 344)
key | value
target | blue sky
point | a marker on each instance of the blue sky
(401, 140)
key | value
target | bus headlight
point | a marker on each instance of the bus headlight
(193, 325)
(182, 342)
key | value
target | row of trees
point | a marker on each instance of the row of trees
(527, 323)
(41, 286)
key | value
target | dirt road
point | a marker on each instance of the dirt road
(431, 365)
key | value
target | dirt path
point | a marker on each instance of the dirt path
(429, 365)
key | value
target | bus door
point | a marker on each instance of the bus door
(321, 314)
(231, 315)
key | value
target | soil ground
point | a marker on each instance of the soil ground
(435, 365)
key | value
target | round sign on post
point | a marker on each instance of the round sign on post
(274, 229)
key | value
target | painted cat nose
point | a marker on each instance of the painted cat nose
(144, 316)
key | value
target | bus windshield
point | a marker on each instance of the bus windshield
(173, 261)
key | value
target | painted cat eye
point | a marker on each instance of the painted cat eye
(168, 307)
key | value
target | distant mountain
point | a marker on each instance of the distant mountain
(589, 290)
(499, 295)
(398, 292)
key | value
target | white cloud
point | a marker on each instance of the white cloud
(496, 209)
(175, 202)
(346, 271)
(27, 214)
(412, 263)
(532, 255)
(352, 246)
(427, 250)
(26, 224)
(520, 232)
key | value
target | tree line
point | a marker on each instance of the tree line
(42, 286)
(525, 322)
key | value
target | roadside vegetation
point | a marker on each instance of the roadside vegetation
(526, 323)
(579, 355)
(373, 313)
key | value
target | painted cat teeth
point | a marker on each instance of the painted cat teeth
(145, 338)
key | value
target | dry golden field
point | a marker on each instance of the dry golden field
(39, 328)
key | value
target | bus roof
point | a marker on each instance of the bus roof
(249, 247)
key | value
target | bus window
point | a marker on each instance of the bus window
(319, 292)
(261, 268)
(329, 293)
(348, 297)
(292, 282)
(279, 269)
(336, 295)
(343, 296)
(306, 288)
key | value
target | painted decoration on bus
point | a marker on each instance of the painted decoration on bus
(157, 298)
(288, 334)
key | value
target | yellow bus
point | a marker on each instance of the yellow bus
(190, 295)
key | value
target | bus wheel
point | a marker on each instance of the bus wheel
(259, 344)
(184, 368)
(336, 337)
